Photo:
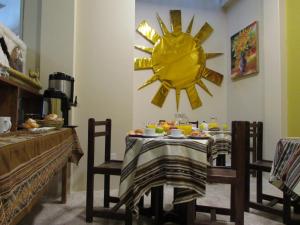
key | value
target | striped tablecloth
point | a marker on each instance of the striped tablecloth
(221, 143)
(151, 162)
(285, 172)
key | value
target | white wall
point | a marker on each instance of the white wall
(57, 38)
(246, 96)
(104, 54)
(259, 97)
(275, 116)
(204, 11)
(32, 33)
(57, 51)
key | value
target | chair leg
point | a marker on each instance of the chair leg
(106, 190)
(254, 174)
(286, 209)
(232, 203)
(259, 187)
(89, 197)
(239, 204)
(247, 191)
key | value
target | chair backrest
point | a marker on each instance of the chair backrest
(92, 134)
(240, 147)
(256, 135)
(196, 123)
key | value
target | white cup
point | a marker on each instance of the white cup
(149, 131)
(5, 124)
(176, 132)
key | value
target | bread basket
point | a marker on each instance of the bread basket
(51, 123)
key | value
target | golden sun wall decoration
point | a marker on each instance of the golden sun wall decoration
(178, 60)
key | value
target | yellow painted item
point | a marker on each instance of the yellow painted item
(293, 67)
(177, 60)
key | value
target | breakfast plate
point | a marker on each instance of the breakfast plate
(198, 137)
(176, 136)
(146, 136)
(152, 135)
(41, 129)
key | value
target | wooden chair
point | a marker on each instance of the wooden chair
(258, 166)
(196, 123)
(108, 168)
(234, 175)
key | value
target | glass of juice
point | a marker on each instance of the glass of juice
(186, 128)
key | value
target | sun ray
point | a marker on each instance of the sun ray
(144, 49)
(212, 55)
(161, 95)
(203, 33)
(176, 20)
(190, 27)
(212, 76)
(163, 27)
(177, 98)
(149, 81)
(203, 86)
(148, 32)
(194, 99)
(142, 63)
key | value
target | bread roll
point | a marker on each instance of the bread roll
(139, 131)
(34, 125)
(30, 123)
(51, 116)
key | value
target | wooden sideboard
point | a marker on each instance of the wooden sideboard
(17, 100)
(28, 162)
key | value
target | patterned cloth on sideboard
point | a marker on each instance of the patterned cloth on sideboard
(27, 163)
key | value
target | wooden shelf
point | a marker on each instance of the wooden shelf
(17, 100)
(12, 82)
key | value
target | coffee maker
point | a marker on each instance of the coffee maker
(58, 98)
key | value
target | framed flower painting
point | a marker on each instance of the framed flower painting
(244, 52)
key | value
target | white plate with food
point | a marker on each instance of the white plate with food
(176, 136)
(41, 129)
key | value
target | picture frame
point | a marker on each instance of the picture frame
(12, 50)
(11, 15)
(244, 52)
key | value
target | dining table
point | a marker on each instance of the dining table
(151, 162)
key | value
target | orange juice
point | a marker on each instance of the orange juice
(186, 128)
(151, 125)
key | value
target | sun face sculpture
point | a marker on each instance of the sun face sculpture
(177, 60)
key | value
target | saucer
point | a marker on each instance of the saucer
(152, 135)
(199, 137)
(177, 136)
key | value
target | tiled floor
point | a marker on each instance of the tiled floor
(73, 213)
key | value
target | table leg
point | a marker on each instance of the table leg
(64, 177)
(221, 160)
(157, 204)
(186, 212)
